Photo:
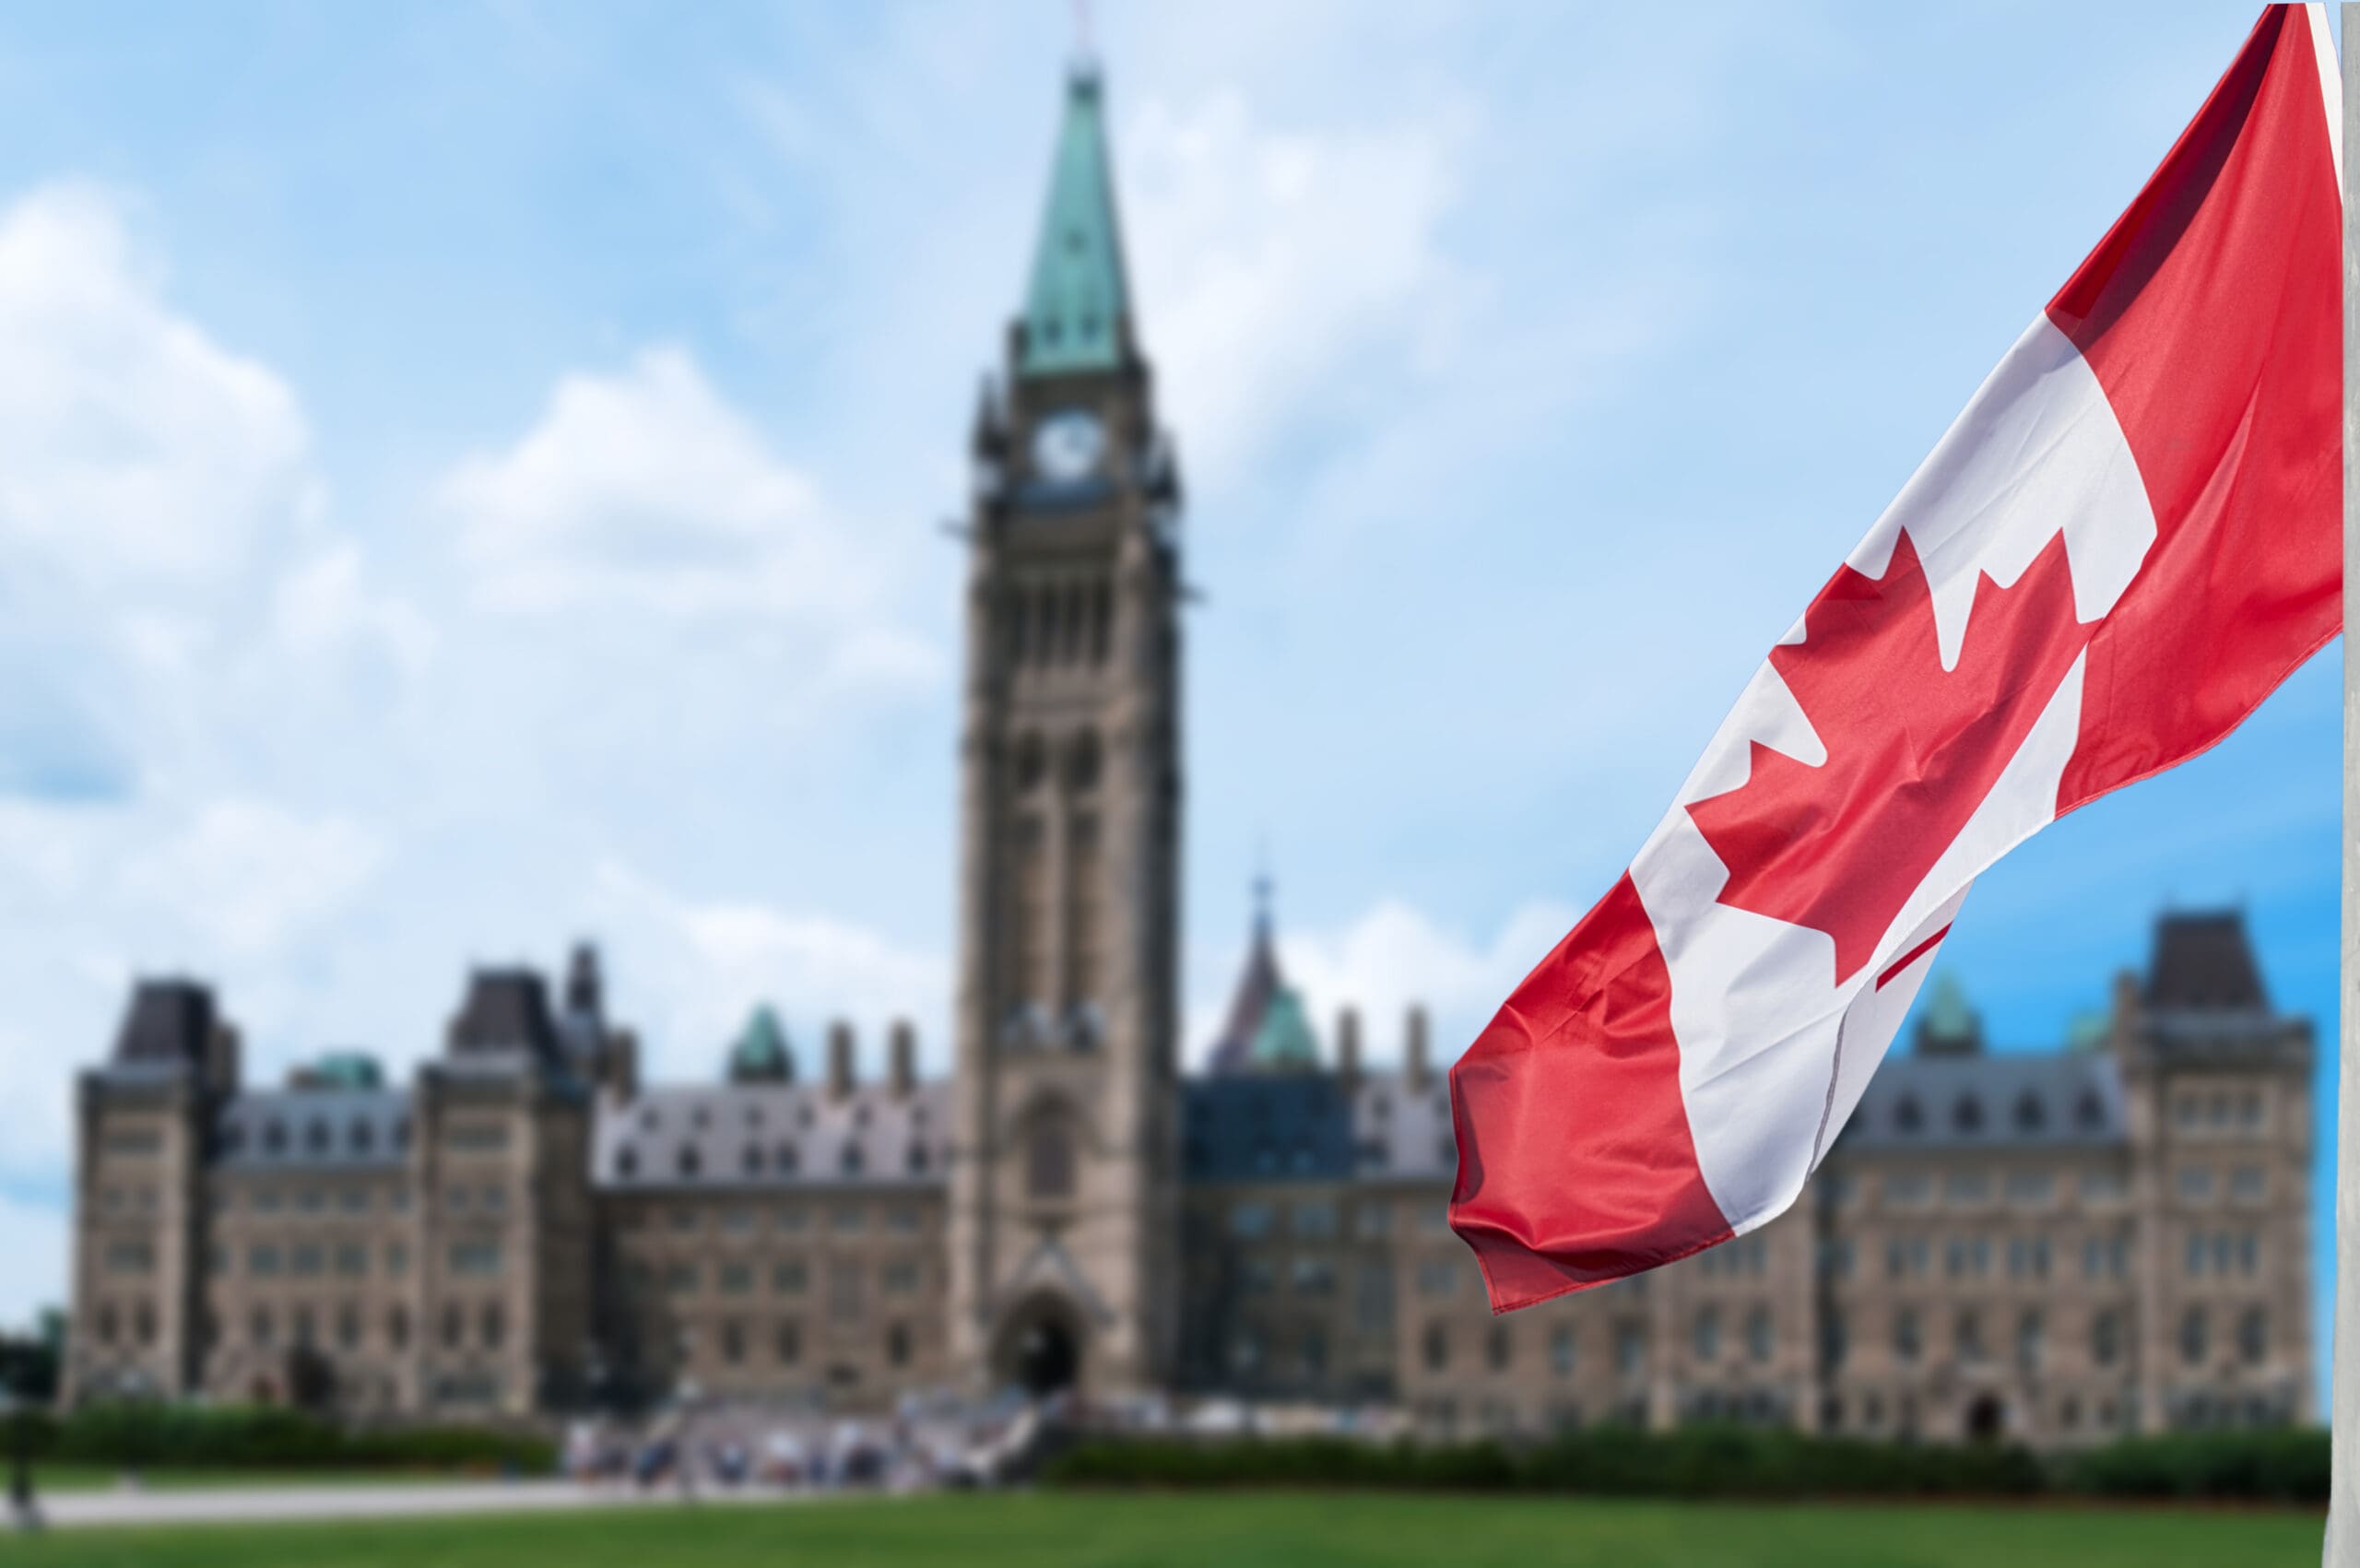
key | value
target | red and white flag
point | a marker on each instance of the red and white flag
(2130, 537)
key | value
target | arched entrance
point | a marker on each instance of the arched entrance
(1039, 1349)
(1986, 1421)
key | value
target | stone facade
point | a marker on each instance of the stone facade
(2054, 1247)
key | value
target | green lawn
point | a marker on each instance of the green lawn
(1244, 1530)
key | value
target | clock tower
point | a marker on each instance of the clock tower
(1063, 1219)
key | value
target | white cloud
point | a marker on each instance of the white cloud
(33, 1238)
(1394, 955)
(645, 488)
(703, 964)
(244, 876)
(134, 449)
(1267, 260)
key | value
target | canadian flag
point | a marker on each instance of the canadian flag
(2130, 537)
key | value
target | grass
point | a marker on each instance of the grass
(1237, 1530)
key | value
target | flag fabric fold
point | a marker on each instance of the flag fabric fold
(2126, 540)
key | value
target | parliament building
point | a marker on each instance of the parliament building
(2049, 1247)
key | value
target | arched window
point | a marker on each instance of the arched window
(2253, 1336)
(627, 1161)
(1082, 761)
(1906, 1117)
(2030, 1114)
(787, 1158)
(274, 1136)
(2193, 1337)
(752, 1160)
(689, 1161)
(363, 1137)
(852, 1162)
(315, 1136)
(897, 1344)
(2089, 1111)
(1967, 1115)
(1048, 1160)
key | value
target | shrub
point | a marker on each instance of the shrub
(1698, 1462)
(266, 1437)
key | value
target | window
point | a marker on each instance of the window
(1966, 1189)
(1907, 1189)
(1966, 1115)
(1560, 1349)
(2253, 1336)
(738, 1221)
(1437, 1347)
(351, 1260)
(736, 1278)
(1760, 1337)
(2193, 1331)
(1373, 1298)
(903, 1219)
(2195, 1183)
(787, 1341)
(477, 1259)
(1315, 1277)
(790, 1277)
(1705, 1334)
(260, 1329)
(1835, 1338)
(493, 1323)
(397, 1329)
(2031, 1339)
(2106, 1338)
(1314, 1353)
(2031, 1115)
(1630, 1347)
(900, 1278)
(2032, 1189)
(2089, 1111)
(681, 1278)
(1966, 1338)
(1048, 1160)
(1373, 1222)
(733, 1341)
(1497, 1347)
(1437, 1278)
(1260, 1277)
(897, 1345)
(1314, 1221)
(396, 1259)
(847, 1219)
(1907, 1117)
(688, 1162)
(843, 1292)
(1906, 1341)
(306, 1260)
(2249, 1184)
(1250, 1221)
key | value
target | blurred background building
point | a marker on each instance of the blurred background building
(2046, 1247)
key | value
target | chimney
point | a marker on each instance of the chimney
(1348, 1046)
(1413, 1047)
(221, 1059)
(840, 1070)
(904, 1058)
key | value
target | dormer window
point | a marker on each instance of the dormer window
(2089, 1111)
(315, 1136)
(274, 1136)
(2031, 1115)
(851, 1161)
(363, 1137)
(1907, 1117)
(788, 1159)
(690, 1163)
(1967, 1115)
(627, 1161)
(752, 1160)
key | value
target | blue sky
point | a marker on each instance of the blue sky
(469, 477)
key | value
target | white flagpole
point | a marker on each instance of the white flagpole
(2344, 1502)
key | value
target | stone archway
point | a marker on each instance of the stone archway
(1986, 1420)
(1039, 1348)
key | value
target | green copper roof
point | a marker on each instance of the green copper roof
(347, 1069)
(760, 1051)
(1076, 294)
(1284, 1042)
(1949, 1026)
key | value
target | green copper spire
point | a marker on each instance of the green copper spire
(1077, 294)
(1948, 1026)
(1284, 1042)
(760, 1054)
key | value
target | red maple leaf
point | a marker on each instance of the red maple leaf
(1912, 749)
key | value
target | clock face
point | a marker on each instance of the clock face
(1066, 446)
